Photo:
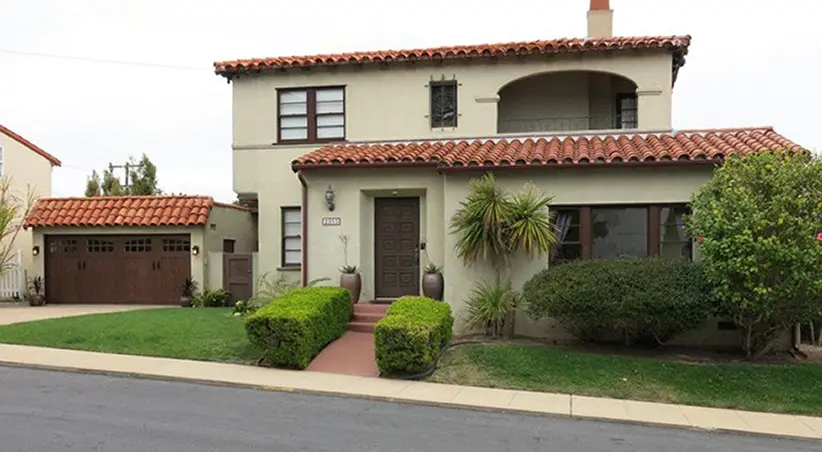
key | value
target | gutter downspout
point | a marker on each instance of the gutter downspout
(304, 226)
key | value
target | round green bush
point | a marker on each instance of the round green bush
(628, 300)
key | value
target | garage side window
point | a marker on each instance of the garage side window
(176, 245)
(292, 255)
(99, 246)
(137, 246)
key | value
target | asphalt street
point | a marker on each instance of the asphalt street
(53, 411)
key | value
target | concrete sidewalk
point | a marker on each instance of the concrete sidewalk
(19, 312)
(415, 392)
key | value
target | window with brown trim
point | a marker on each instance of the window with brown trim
(627, 108)
(292, 249)
(311, 115)
(569, 236)
(443, 103)
(609, 232)
(673, 241)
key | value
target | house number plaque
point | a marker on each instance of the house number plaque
(332, 221)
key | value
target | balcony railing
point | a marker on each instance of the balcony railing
(566, 124)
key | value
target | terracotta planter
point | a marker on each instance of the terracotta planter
(352, 282)
(37, 300)
(185, 302)
(433, 285)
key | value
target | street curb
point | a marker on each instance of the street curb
(388, 399)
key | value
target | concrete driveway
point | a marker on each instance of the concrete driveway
(17, 313)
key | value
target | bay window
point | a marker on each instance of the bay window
(611, 232)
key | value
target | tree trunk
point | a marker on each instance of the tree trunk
(748, 345)
(813, 332)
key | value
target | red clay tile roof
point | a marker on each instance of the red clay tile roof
(676, 44)
(644, 148)
(54, 161)
(176, 210)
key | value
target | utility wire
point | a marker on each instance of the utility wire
(106, 61)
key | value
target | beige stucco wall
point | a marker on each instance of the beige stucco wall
(197, 238)
(440, 196)
(27, 170)
(226, 222)
(388, 104)
(392, 104)
(355, 191)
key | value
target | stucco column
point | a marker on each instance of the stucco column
(654, 109)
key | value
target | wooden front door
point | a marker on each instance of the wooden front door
(396, 247)
(237, 276)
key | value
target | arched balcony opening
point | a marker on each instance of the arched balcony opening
(569, 101)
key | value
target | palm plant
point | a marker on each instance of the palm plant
(493, 225)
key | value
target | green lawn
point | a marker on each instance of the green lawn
(788, 388)
(205, 334)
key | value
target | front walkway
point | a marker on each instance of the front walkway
(18, 313)
(415, 392)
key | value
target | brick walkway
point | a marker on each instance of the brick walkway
(353, 353)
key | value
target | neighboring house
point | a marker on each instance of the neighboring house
(28, 169)
(140, 249)
(395, 136)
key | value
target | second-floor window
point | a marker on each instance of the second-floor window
(443, 104)
(311, 115)
(626, 109)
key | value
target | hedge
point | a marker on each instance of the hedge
(294, 328)
(410, 337)
(628, 300)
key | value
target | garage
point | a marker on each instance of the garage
(140, 249)
(114, 269)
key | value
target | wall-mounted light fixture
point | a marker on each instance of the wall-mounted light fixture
(195, 250)
(35, 250)
(329, 198)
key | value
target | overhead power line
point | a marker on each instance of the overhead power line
(105, 60)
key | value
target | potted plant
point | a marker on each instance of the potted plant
(349, 274)
(189, 291)
(38, 296)
(350, 279)
(433, 283)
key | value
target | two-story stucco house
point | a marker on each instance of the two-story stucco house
(395, 136)
(27, 169)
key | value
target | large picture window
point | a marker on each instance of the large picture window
(612, 232)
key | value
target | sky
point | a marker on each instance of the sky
(751, 63)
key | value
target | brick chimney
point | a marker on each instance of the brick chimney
(600, 19)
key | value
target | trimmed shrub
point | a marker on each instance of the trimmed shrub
(628, 300)
(294, 328)
(410, 337)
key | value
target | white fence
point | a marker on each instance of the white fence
(13, 279)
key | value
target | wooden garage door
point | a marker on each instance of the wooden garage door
(127, 269)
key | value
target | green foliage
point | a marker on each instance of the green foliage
(14, 206)
(142, 180)
(269, 289)
(631, 300)
(349, 269)
(209, 298)
(432, 268)
(757, 222)
(410, 337)
(242, 307)
(189, 288)
(489, 306)
(294, 328)
(493, 225)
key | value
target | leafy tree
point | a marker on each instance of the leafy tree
(14, 207)
(757, 222)
(493, 225)
(142, 177)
